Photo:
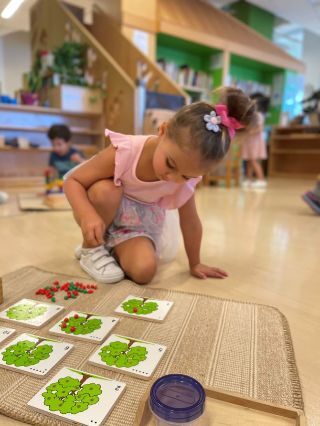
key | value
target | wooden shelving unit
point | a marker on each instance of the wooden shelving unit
(32, 123)
(74, 130)
(201, 93)
(52, 111)
(88, 150)
(189, 64)
(295, 151)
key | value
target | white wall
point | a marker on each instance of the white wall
(311, 57)
(15, 46)
(15, 60)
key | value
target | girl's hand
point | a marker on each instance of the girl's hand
(204, 271)
(93, 229)
(50, 171)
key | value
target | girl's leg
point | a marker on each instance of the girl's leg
(106, 198)
(96, 261)
(137, 258)
(258, 169)
(249, 170)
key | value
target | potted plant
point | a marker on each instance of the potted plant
(34, 85)
(75, 90)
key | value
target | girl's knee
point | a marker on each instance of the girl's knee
(144, 271)
(104, 190)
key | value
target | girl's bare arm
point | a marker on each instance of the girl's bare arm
(191, 228)
(76, 185)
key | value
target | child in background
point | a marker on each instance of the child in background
(119, 197)
(312, 198)
(253, 147)
(63, 156)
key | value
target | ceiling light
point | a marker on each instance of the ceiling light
(11, 8)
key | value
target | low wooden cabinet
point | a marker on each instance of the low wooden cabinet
(295, 152)
(26, 164)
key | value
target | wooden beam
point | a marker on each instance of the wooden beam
(202, 23)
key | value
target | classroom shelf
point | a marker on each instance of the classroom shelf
(295, 151)
(298, 136)
(87, 149)
(43, 110)
(32, 123)
(194, 89)
(74, 130)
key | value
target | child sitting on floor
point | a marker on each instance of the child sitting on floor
(119, 197)
(63, 156)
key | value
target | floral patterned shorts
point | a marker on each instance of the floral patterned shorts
(135, 219)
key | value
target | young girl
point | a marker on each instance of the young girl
(253, 147)
(119, 197)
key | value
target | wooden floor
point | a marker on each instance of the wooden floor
(267, 241)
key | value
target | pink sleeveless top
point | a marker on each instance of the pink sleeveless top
(168, 195)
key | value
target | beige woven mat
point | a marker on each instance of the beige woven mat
(238, 347)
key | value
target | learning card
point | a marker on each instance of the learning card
(128, 355)
(31, 313)
(84, 326)
(32, 354)
(144, 308)
(5, 332)
(78, 397)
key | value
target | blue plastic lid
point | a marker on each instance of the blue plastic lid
(177, 398)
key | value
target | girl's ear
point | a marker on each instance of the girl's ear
(162, 128)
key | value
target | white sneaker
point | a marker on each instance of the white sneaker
(246, 183)
(3, 197)
(259, 184)
(99, 264)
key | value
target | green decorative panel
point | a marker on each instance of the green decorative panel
(256, 18)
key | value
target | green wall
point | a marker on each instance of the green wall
(249, 69)
(183, 52)
(180, 57)
(243, 73)
(256, 18)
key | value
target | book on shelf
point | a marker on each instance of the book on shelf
(186, 76)
(249, 87)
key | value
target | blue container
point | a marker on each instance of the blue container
(177, 399)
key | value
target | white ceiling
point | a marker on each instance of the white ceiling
(302, 12)
(20, 20)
